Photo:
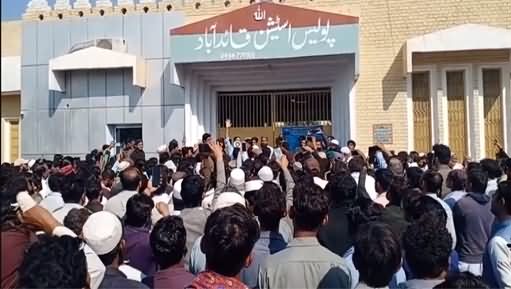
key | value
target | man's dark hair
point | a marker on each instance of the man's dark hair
(356, 164)
(442, 153)
(163, 158)
(463, 280)
(192, 189)
(351, 142)
(255, 139)
(384, 178)
(93, 188)
(477, 178)
(205, 137)
(377, 254)
(108, 174)
(55, 182)
(130, 179)
(431, 182)
(504, 193)
(73, 189)
(109, 258)
(270, 206)
(414, 156)
(456, 180)
(425, 208)
(168, 241)
(229, 237)
(427, 247)
(397, 191)
(341, 190)
(173, 144)
(75, 219)
(310, 206)
(54, 262)
(492, 168)
(138, 210)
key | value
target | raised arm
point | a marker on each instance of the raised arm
(220, 170)
(290, 184)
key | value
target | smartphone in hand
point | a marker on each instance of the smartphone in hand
(156, 176)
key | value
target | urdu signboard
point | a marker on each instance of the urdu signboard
(265, 30)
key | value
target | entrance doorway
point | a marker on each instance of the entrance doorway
(266, 113)
(123, 134)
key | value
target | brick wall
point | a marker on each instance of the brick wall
(385, 25)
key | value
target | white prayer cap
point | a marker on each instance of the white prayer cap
(176, 192)
(237, 177)
(335, 142)
(345, 150)
(254, 185)
(31, 163)
(161, 149)
(20, 162)
(265, 174)
(102, 232)
(123, 165)
(228, 199)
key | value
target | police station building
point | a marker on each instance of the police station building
(404, 73)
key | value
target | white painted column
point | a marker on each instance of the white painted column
(200, 107)
(506, 105)
(477, 113)
(213, 107)
(441, 108)
(207, 108)
(188, 108)
(194, 105)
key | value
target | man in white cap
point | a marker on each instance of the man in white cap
(103, 233)
(237, 180)
(265, 174)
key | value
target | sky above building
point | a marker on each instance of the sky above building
(13, 9)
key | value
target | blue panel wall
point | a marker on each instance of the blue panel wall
(76, 121)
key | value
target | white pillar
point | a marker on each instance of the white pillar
(104, 3)
(188, 108)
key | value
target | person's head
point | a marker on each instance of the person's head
(55, 182)
(492, 168)
(463, 280)
(356, 164)
(229, 237)
(413, 176)
(431, 182)
(477, 178)
(54, 262)
(351, 145)
(93, 188)
(396, 166)
(270, 206)
(131, 179)
(312, 166)
(341, 190)
(75, 219)
(138, 210)
(173, 144)
(310, 207)
(192, 189)
(163, 157)
(425, 208)
(103, 233)
(108, 177)
(206, 138)
(456, 180)
(255, 140)
(442, 153)
(397, 190)
(168, 241)
(73, 189)
(501, 201)
(377, 254)
(414, 156)
(427, 247)
(264, 141)
(383, 180)
(139, 144)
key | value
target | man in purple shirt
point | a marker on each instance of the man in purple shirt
(136, 233)
(168, 244)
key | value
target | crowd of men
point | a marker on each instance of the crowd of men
(233, 213)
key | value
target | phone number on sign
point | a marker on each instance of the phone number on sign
(237, 55)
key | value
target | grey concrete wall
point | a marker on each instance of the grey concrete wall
(75, 122)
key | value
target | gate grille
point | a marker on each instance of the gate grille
(275, 109)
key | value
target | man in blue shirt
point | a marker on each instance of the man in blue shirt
(497, 257)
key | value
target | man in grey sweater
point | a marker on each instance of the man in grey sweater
(473, 220)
